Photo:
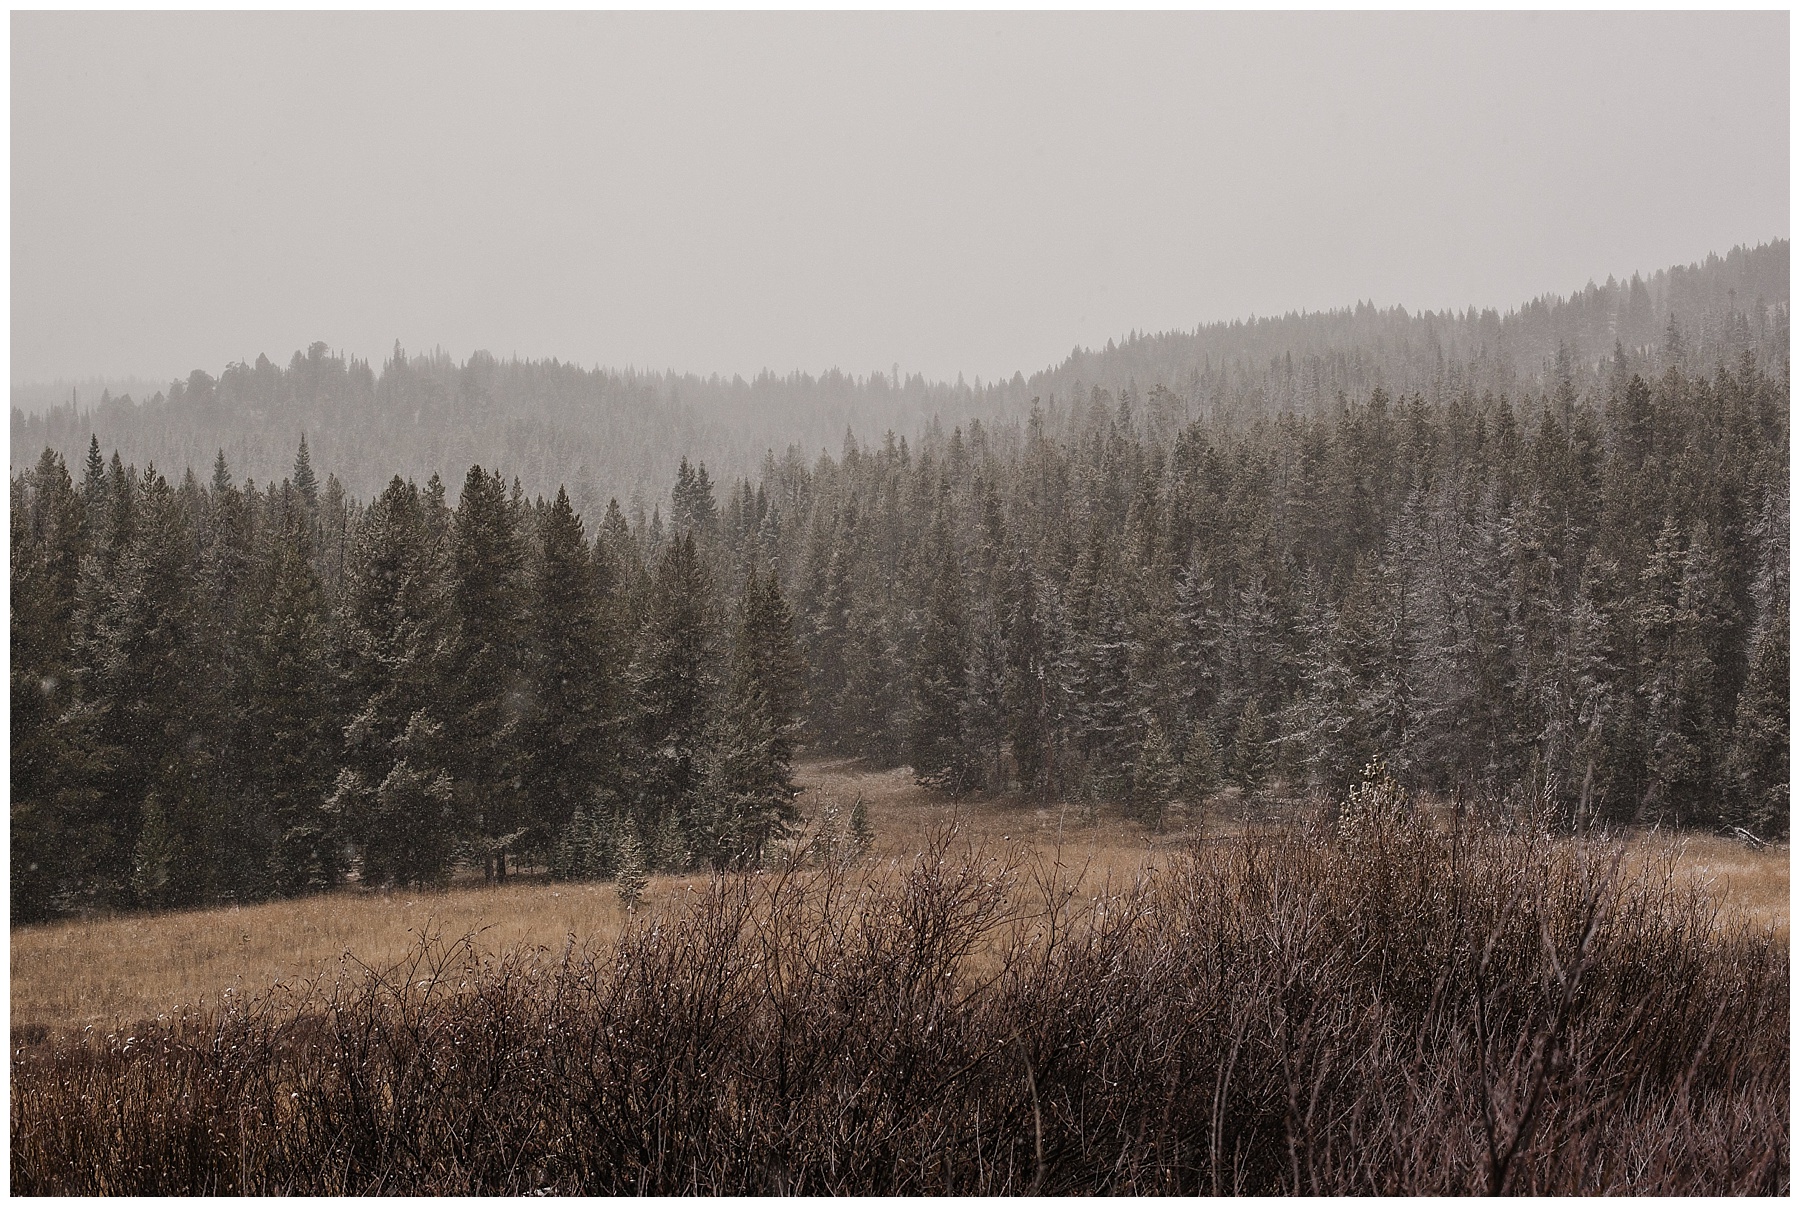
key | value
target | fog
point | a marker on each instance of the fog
(966, 194)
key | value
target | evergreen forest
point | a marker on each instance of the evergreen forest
(230, 691)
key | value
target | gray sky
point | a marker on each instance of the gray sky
(956, 193)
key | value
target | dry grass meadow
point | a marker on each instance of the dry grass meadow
(108, 972)
(1001, 997)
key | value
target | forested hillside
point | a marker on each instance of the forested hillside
(1695, 317)
(612, 433)
(1586, 592)
(224, 691)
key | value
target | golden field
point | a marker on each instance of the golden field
(109, 971)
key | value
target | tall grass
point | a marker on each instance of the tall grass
(1378, 1005)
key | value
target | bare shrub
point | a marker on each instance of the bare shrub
(1419, 1010)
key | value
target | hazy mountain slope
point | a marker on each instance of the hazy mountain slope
(1721, 306)
(616, 433)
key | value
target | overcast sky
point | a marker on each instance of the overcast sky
(954, 193)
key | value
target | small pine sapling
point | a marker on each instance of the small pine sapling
(862, 833)
(1155, 779)
(1201, 771)
(633, 877)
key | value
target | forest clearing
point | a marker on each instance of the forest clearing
(110, 971)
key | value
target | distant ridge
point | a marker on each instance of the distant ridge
(1721, 306)
(620, 433)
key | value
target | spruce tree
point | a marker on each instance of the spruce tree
(572, 745)
(634, 875)
(227, 522)
(488, 707)
(145, 691)
(674, 687)
(1684, 730)
(1099, 676)
(1250, 758)
(306, 482)
(1026, 691)
(392, 794)
(47, 806)
(1202, 765)
(1155, 778)
(936, 743)
(1757, 763)
(862, 830)
(749, 784)
(873, 704)
(289, 714)
(1758, 758)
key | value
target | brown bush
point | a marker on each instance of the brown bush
(1391, 1008)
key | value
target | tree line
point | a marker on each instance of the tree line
(228, 693)
(1582, 592)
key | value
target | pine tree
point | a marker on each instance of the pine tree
(1099, 678)
(573, 744)
(392, 795)
(634, 876)
(413, 838)
(1026, 691)
(93, 487)
(1335, 721)
(1758, 759)
(289, 715)
(333, 549)
(226, 523)
(831, 662)
(1757, 764)
(1587, 707)
(155, 857)
(1683, 608)
(1197, 652)
(306, 483)
(674, 688)
(692, 507)
(1156, 777)
(587, 848)
(873, 701)
(862, 831)
(749, 782)
(940, 680)
(623, 578)
(1250, 758)
(1202, 765)
(145, 690)
(983, 716)
(47, 806)
(1484, 674)
(484, 670)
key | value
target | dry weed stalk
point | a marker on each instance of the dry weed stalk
(1404, 1011)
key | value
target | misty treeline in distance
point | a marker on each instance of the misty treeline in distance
(229, 691)
(605, 433)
